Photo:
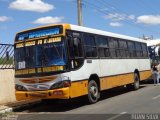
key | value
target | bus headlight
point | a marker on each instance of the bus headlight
(20, 88)
(61, 84)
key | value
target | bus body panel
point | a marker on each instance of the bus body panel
(110, 67)
(62, 93)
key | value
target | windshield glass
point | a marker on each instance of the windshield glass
(25, 57)
(51, 54)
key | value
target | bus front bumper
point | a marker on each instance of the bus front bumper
(62, 93)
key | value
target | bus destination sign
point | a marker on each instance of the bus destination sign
(39, 33)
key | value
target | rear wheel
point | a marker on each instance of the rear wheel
(136, 81)
(136, 84)
(93, 92)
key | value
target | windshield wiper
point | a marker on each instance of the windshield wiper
(52, 58)
(61, 57)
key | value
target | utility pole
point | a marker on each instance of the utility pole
(79, 5)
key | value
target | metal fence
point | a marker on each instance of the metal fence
(6, 56)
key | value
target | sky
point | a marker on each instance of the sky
(128, 17)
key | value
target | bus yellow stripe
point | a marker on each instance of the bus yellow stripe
(120, 80)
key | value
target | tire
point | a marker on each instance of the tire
(136, 81)
(93, 92)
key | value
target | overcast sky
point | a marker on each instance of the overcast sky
(129, 17)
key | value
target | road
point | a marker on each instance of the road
(113, 104)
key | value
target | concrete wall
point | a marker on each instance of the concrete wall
(7, 89)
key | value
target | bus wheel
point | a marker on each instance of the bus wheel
(136, 81)
(93, 92)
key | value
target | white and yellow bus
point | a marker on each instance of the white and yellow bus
(65, 61)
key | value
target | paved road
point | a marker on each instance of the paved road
(113, 105)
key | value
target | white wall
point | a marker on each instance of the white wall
(7, 89)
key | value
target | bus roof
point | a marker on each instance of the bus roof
(105, 33)
(91, 30)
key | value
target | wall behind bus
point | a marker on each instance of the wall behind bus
(7, 89)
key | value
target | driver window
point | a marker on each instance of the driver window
(77, 46)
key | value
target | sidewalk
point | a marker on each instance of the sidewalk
(11, 107)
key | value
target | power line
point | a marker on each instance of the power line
(117, 10)
(99, 9)
(114, 10)
(151, 8)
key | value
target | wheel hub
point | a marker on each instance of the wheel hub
(93, 91)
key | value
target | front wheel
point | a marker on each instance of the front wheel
(93, 92)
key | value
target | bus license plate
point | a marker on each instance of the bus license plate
(38, 94)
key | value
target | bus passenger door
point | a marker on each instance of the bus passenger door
(76, 61)
(75, 50)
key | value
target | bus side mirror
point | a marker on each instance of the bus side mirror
(75, 41)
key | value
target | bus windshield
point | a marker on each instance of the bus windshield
(52, 54)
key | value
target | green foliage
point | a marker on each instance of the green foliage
(6, 61)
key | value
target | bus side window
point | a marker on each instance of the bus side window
(123, 49)
(144, 49)
(131, 47)
(113, 46)
(90, 46)
(138, 49)
(103, 48)
(77, 46)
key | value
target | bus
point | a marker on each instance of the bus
(154, 50)
(66, 61)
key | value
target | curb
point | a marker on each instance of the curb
(6, 110)
(17, 106)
